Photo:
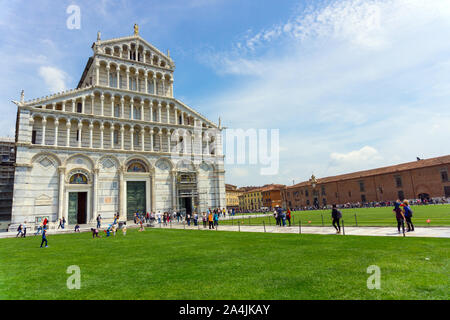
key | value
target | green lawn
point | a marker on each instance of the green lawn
(190, 264)
(439, 215)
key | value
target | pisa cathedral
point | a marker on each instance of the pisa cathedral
(119, 142)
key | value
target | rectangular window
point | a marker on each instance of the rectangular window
(444, 176)
(398, 182)
(361, 186)
(79, 106)
(33, 137)
(306, 193)
(78, 135)
(116, 137)
(363, 198)
(401, 195)
(323, 191)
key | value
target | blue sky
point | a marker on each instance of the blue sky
(350, 84)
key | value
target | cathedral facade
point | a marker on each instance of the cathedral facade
(118, 143)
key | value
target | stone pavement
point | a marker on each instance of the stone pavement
(432, 232)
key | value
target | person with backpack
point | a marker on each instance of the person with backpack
(336, 216)
(407, 212)
(19, 231)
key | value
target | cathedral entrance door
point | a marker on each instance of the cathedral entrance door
(136, 198)
(77, 208)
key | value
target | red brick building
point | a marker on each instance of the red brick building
(271, 195)
(422, 179)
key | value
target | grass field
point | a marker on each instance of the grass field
(183, 264)
(439, 215)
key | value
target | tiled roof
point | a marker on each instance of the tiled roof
(423, 163)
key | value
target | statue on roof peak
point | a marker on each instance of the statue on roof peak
(136, 29)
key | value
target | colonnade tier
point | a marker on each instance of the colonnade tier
(98, 134)
(135, 52)
(135, 78)
(125, 107)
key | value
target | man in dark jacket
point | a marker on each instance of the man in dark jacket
(336, 215)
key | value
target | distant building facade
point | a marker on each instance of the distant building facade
(7, 166)
(232, 196)
(271, 195)
(422, 179)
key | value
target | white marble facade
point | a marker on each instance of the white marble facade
(98, 139)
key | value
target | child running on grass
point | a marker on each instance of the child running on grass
(44, 237)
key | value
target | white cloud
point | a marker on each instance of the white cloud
(54, 78)
(365, 154)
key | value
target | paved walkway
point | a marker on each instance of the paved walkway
(432, 232)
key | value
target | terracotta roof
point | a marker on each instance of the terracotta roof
(423, 163)
(273, 187)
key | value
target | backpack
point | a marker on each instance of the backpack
(408, 212)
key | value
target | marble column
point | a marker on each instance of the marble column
(132, 138)
(151, 140)
(142, 110)
(112, 135)
(108, 82)
(80, 129)
(122, 209)
(102, 104)
(62, 173)
(83, 104)
(122, 108)
(68, 126)
(94, 196)
(168, 113)
(92, 103)
(112, 106)
(91, 128)
(55, 143)
(122, 144)
(159, 112)
(102, 129)
(44, 127)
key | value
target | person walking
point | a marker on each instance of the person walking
(407, 212)
(211, 220)
(288, 216)
(24, 228)
(196, 219)
(60, 224)
(63, 222)
(39, 229)
(19, 231)
(44, 237)
(336, 216)
(204, 218)
(99, 221)
(216, 219)
(188, 219)
(399, 216)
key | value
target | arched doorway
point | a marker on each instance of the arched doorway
(137, 184)
(77, 207)
(424, 196)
